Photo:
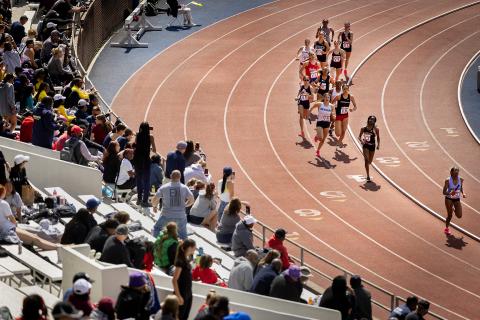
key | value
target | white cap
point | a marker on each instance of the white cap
(58, 97)
(249, 219)
(20, 158)
(81, 287)
(82, 102)
(51, 25)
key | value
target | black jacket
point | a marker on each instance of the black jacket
(19, 178)
(76, 231)
(132, 303)
(97, 237)
(115, 252)
(263, 280)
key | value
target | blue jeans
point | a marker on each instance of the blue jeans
(220, 210)
(162, 222)
(143, 183)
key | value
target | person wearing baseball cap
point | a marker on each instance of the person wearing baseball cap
(287, 285)
(176, 161)
(80, 297)
(242, 239)
(92, 204)
(18, 173)
(59, 107)
(276, 242)
(115, 251)
(81, 154)
(81, 114)
(77, 276)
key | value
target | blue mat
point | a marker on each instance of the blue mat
(115, 65)
(471, 98)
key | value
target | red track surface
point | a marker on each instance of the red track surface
(231, 87)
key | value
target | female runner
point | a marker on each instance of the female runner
(304, 97)
(302, 54)
(337, 62)
(325, 115)
(346, 41)
(453, 191)
(341, 111)
(367, 136)
(321, 47)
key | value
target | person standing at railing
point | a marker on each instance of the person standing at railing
(227, 190)
(144, 143)
(422, 310)
(176, 161)
(276, 242)
(339, 297)
(363, 299)
(400, 312)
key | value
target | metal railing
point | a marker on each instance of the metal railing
(387, 300)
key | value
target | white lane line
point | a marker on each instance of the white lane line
(185, 38)
(359, 147)
(345, 222)
(382, 104)
(459, 96)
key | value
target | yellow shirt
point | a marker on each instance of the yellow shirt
(61, 111)
(81, 93)
(42, 95)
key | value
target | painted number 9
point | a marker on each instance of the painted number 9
(307, 212)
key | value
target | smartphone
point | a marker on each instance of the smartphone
(206, 172)
(247, 209)
(197, 146)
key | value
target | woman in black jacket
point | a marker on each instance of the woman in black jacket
(18, 174)
(132, 302)
(77, 229)
(111, 162)
(144, 143)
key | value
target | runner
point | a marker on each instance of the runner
(302, 54)
(338, 61)
(326, 31)
(337, 90)
(323, 82)
(453, 191)
(304, 97)
(324, 117)
(321, 48)
(346, 38)
(311, 69)
(367, 137)
(341, 121)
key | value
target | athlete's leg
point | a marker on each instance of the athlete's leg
(300, 118)
(338, 73)
(449, 207)
(343, 130)
(458, 209)
(338, 128)
(347, 58)
(366, 157)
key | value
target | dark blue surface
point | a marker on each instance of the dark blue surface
(471, 98)
(115, 65)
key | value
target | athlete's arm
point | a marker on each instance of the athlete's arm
(298, 53)
(327, 46)
(351, 38)
(353, 102)
(332, 114)
(445, 188)
(314, 106)
(360, 134)
(377, 132)
(333, 32)
(461, 189)
(338, 37)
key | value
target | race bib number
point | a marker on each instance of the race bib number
(319, 51)
(337, 59)
(313, 74)
(323, 86)
(303, 97)
(367, 137)
(344, 110)
(346, 44)
(325, 117)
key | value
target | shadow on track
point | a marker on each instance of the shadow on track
(371, 186)
(454, 242)
(322, 163)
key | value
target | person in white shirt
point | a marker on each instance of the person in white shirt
(198, 171)
(126, 175)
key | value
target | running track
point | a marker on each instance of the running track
(231, 87)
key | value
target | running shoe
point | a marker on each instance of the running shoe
(317, 153)
(368, 179)
(301, 134)
(330, 132)
(447, 231)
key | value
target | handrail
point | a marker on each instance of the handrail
(393, 299)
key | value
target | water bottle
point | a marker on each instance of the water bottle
(20, 247)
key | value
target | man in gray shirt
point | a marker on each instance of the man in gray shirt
(175, 198)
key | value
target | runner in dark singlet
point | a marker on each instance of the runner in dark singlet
(304, 97)
(321, 48)
(453, 192)
(323, 83)
(367, 136)
(337, 61)
(346, 42)
(341, 111)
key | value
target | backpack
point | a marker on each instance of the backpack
(68, 152)
(136, 248)
(64, 211)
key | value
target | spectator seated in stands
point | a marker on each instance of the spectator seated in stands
(175, 198)
(203, 211)
(79, 152)
(176, 161)
(218, 308)
(165, 247)
(58, 73)
(77, 87)
(169, 309)
(80, 297)
(18, 173)
(33, 308)
(203, 271)
(276, 242)
(422, 310)
(156, 172)
(81, 114)
(100, 233)
(44, 126)
(339, 297)
(204, 308)
(287, 285)
(241, 275)
(111, 163)
(114, 250)
(26, 128)
(133, 299)
(77, 229)
(400, 312)
(65, 311)
(229, 220)
(13, 198)
(10, 57)
(48, 45)
(93, 112)
(125, 141)
(126, 175)
(8, 110)
(267, 259)
(29, 53)
(363, 299)
(59, 107)
(197, 171)
(262, 281)
(191, 155)
(242, 239)
(116, 133)
(42, 92)
(10, 234)
(100, 129)
(17, 30)
(59, 144)
(78, 275)
(104, 310)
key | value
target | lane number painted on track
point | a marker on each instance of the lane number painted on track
(418, 145)
(451, 132)
(337, 196)
(294, 236)
(357, 177)
(389, 161)
(311, 214)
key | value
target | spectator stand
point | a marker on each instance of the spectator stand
(16, 268)
(135, 25)
(11, 298)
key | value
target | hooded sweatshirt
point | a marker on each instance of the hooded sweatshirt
(241, 275)
(276, 244)
(242, 240)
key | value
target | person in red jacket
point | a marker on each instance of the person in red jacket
(276, 242)
(26, 129)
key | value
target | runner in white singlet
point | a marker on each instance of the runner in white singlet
(326, 114)
(453, 192)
